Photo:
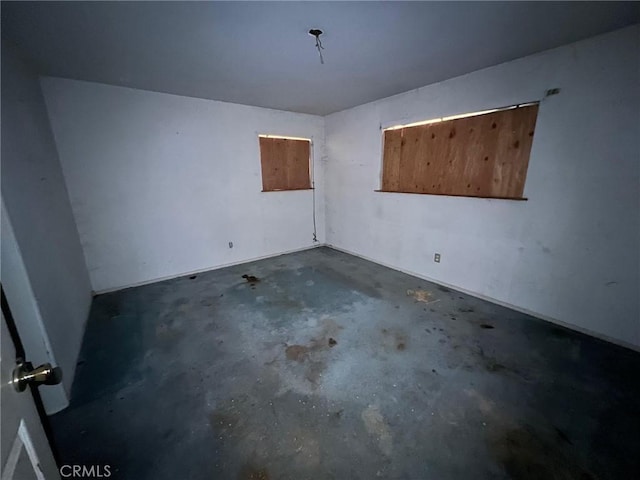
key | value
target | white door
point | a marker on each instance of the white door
(25, 450)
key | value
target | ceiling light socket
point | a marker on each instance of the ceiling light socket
(316, 32)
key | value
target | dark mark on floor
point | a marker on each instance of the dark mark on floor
(528, 455)
(332, 342)
(443, 289)
(249, 472)
(466, 310)
(251, 279)
(493, 366)
(298, 353)
(394, 340)
(193, 277)
(490, 363)
(486, 325)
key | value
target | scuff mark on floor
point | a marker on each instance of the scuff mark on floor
(376, 426)
(299, 353)
(485, 405)
(423, 296)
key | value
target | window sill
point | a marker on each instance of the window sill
(517, 199)
(287, 190)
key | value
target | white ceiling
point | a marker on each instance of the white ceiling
(259, 53)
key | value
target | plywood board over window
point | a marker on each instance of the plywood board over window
(285, 163)
(484, 155)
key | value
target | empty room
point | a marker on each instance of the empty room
(320, 240)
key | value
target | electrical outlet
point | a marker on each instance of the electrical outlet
(436, 258)
(230, 244)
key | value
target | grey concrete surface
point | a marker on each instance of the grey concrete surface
(332, 367)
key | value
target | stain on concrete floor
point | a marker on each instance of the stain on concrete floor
(327, 368)
(529, 455)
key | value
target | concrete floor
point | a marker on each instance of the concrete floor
(332, 367)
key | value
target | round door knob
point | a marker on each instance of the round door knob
(45, 374)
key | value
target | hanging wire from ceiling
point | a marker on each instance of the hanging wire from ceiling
(316, 32)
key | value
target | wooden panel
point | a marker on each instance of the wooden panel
(270, 154)
(285, 164)
(481, 156)
(297, 155)
(391, 164)
(411, 155)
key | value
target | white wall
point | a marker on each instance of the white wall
(39, 235)
(570, 253)
(159, 184)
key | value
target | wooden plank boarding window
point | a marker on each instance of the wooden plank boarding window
(285, 163)
(483, 155)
